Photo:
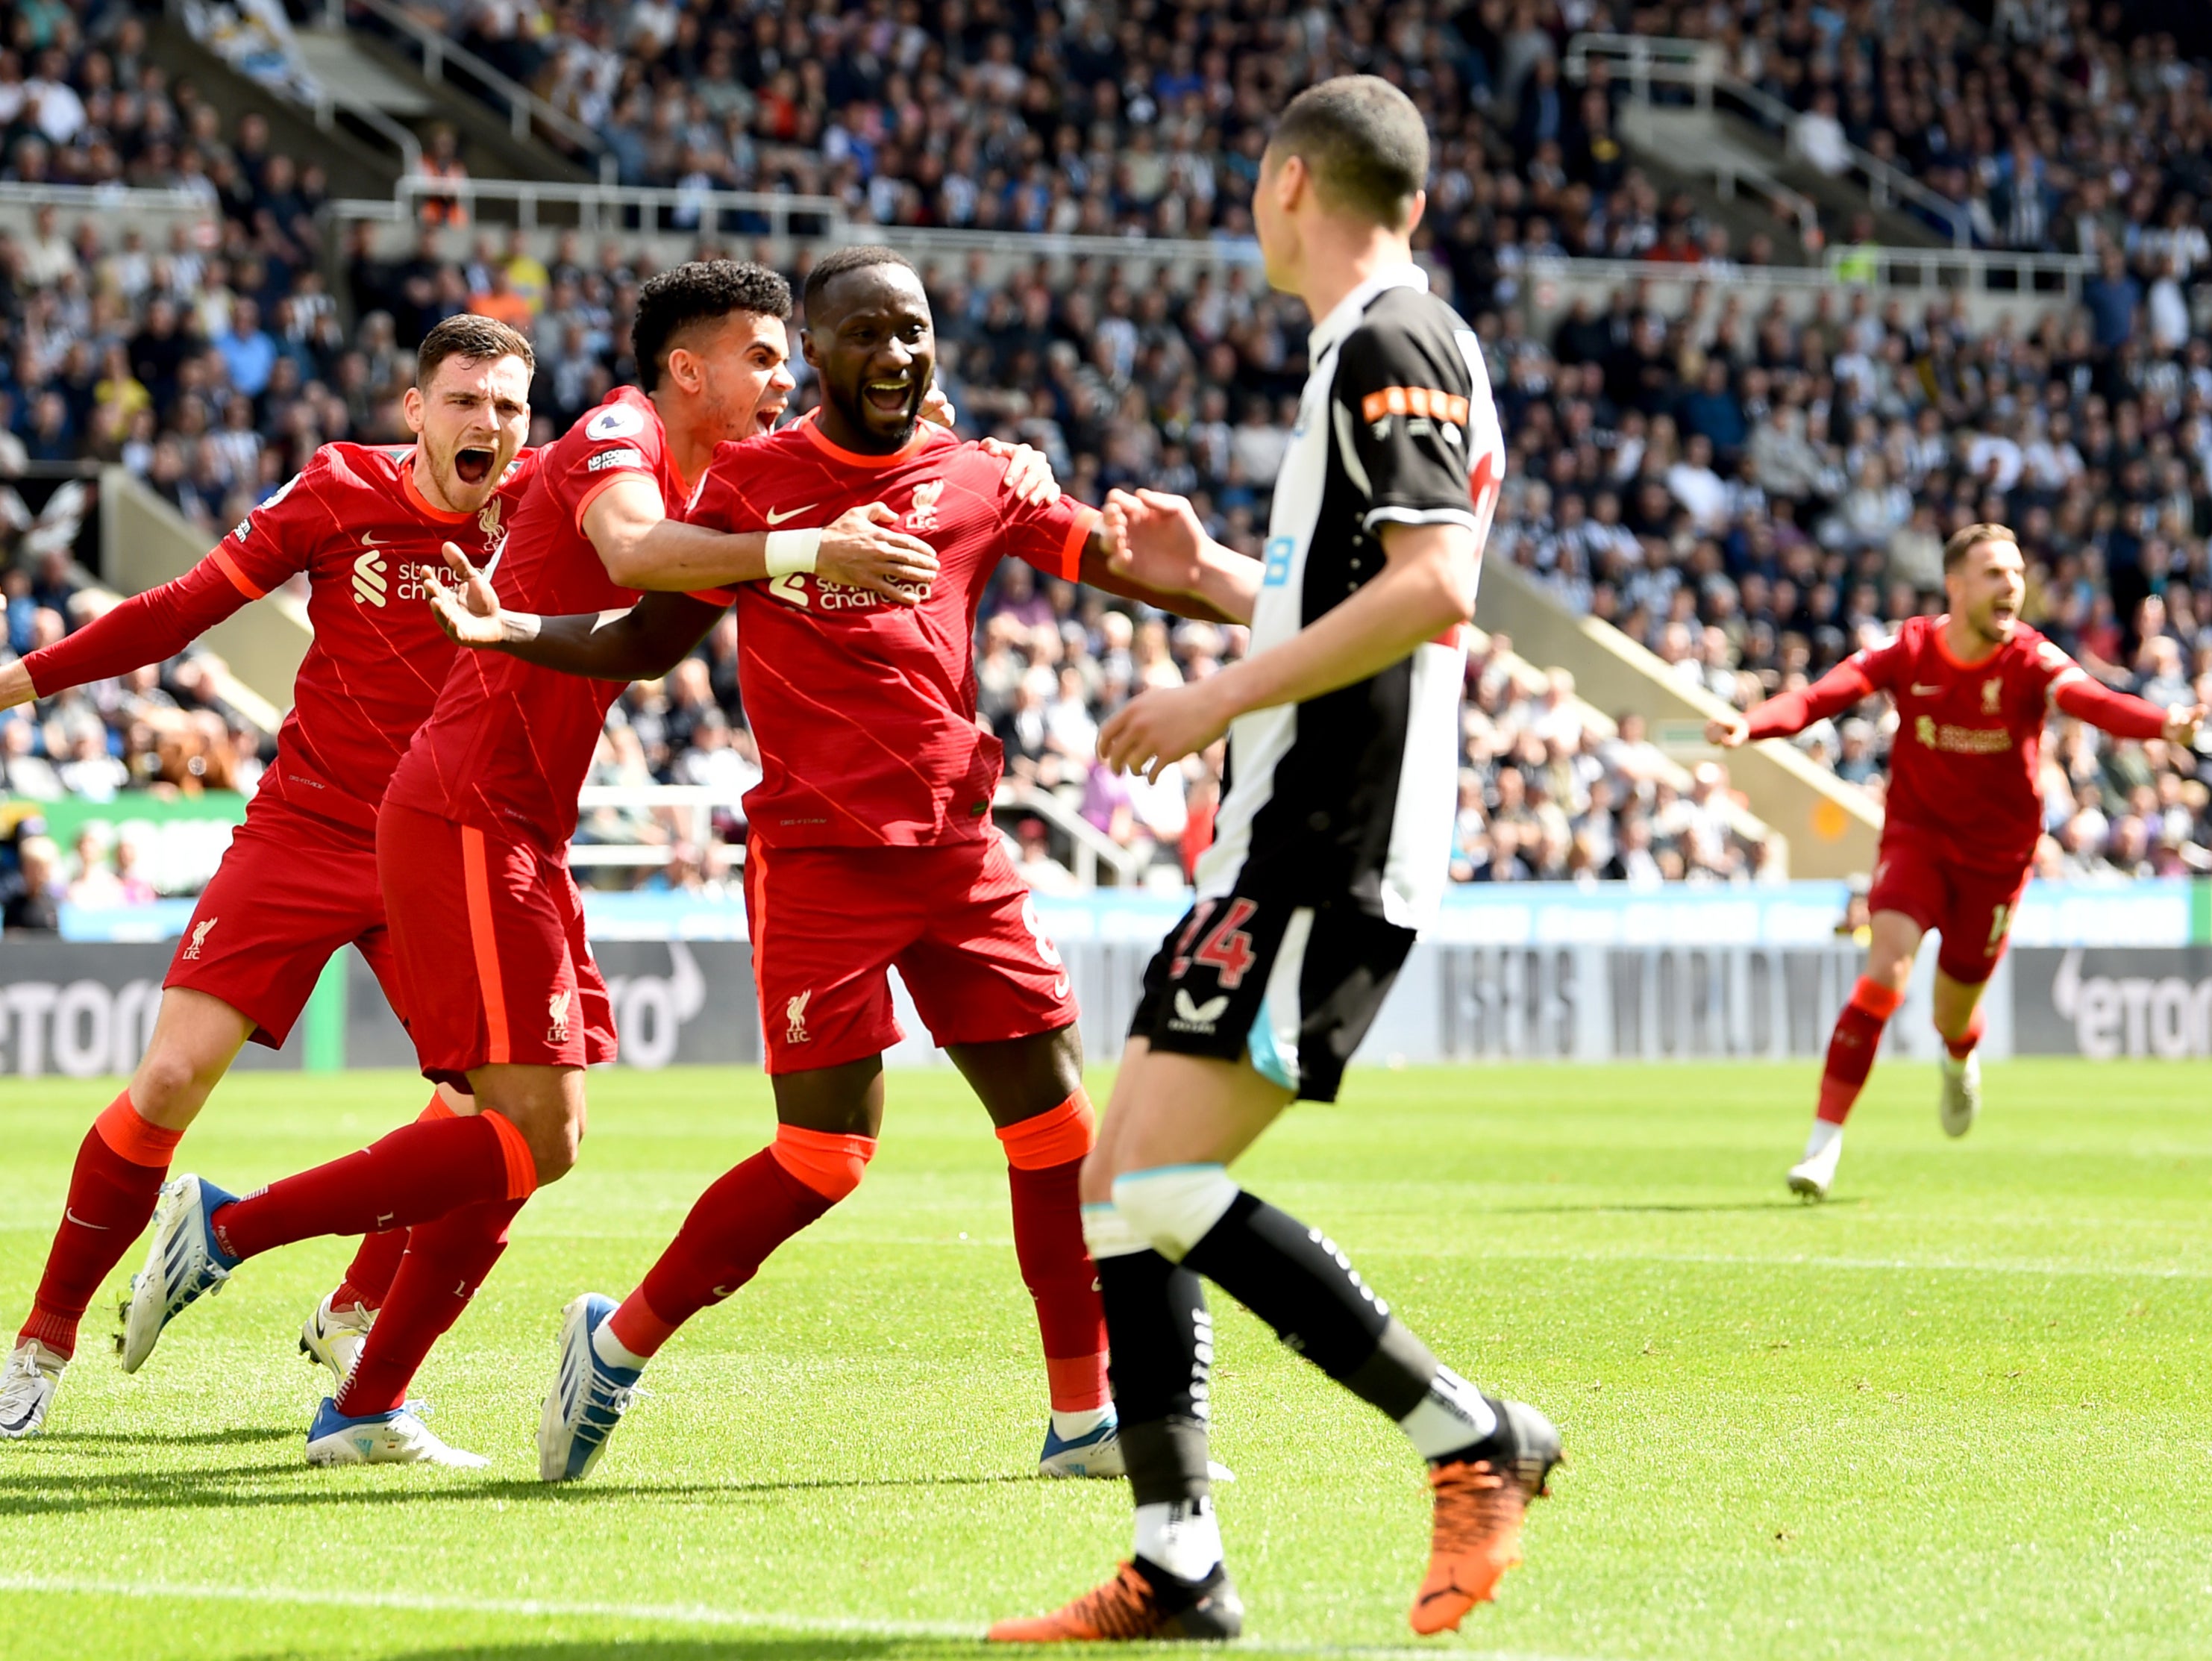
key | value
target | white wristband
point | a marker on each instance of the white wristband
(792, 551)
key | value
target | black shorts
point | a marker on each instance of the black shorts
(1295, 985)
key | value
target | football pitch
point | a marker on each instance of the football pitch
(1962, 1410)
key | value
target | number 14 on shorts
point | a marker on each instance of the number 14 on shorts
(1226, 948)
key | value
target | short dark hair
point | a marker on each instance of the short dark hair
(1364, 144)
(473, 339)
(859, 257)
(698, 291)
(1961, 542)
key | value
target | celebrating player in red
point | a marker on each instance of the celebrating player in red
(1973, 689)
(497, 985)
(299, 879)
(879, 784)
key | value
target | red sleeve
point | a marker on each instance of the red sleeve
(2121, 715)
(616, 442)
(144, 628)
(1833, 693)
(277, 540)
(1050, 535)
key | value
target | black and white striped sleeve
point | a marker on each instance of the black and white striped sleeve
(1403, 406)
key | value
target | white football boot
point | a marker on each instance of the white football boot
(588, 1397)
(28, 1384)
(396, 1438)
(1960, 1104)
(1813, 1176)
(182, 1262)
(333, 1336)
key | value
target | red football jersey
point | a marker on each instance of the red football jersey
(1963, 769)
(509, 744)
(353, 520)
(865, 711)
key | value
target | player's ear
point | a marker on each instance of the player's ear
(410, 404)
(806, 348)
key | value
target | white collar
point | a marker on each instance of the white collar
(1345, 318)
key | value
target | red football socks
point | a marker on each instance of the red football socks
(117, 1177)
(1850, 1048)
(446, 1261)
(746, 1214)
(1963, 1045)
(368, 1276)
(419, 1171)
(1044, 1159)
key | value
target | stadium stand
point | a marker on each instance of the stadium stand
(1748, 496)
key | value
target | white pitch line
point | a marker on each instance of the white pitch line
(689, 1615)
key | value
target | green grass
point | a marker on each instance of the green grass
(1963, 1409)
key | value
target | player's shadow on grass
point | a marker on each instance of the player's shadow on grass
(1600, 1207)
(98, 1441)
(728, 1649)
(45, 1493)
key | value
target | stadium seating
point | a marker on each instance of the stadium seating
(1749, 499)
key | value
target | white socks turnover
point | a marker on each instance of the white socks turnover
(1182, 1537)
(1450, 1416)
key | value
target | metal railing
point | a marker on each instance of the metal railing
(612, 208)
(526, 110)
(129, 200)
(694, 803)
(1646, 61)
(1983, 270)
(326, 105)
(1092, 847)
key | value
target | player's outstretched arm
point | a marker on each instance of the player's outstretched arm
(2123, 715)
(1149, 546)
(1426, 587)
(145, 628)
(642, 643)
(642, 548)
(1787, 714)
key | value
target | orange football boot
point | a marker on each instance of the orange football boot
(1127, 1609)
(1480, 1503)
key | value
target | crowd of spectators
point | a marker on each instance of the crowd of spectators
(1748, 496)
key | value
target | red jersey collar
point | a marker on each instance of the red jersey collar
(925, 435)
(1939, 632)
(420, 503)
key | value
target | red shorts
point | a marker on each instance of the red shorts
(828, 923)
(293, 889)
(489, 936)
(1970, 908)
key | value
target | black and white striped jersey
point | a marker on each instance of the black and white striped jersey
(1351, 795)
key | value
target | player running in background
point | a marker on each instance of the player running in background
(1973, 689)
(1331, 849)
(869, 844)
(299, 880)
(497, 984)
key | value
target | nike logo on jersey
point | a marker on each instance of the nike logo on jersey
(774, 518)
(1927, 691)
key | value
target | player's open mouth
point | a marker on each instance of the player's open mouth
(473, 466)
(892, 398)
(767, 415)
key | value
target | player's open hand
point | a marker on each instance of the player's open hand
(1730, 731)
(468, 611)
(1155, 730)
(937, 408)
(1156, 540)
(1029, 475)
(860, 549)
(2181, 723)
